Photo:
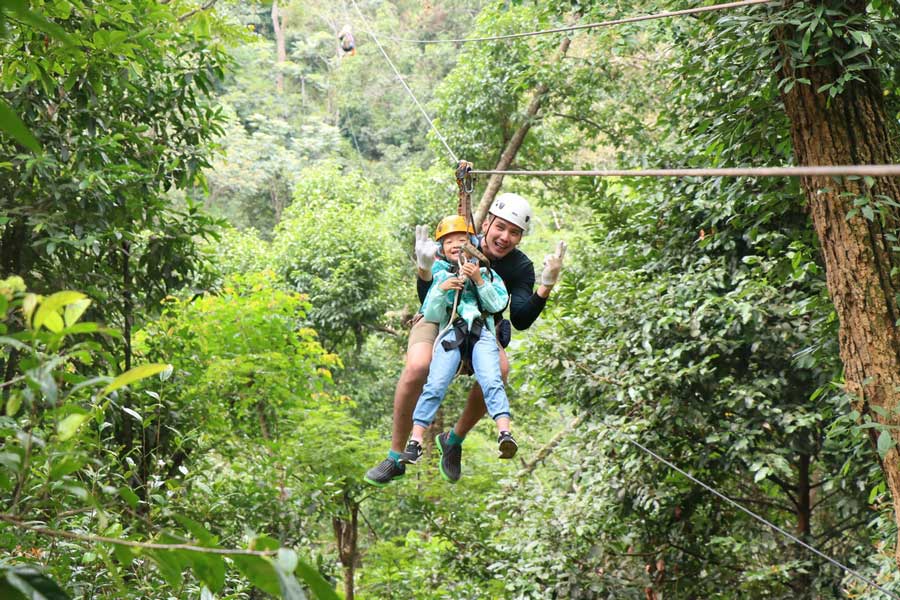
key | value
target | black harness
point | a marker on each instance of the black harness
(465, 341)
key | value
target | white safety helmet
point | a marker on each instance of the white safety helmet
(513, 208)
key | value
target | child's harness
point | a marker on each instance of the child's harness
(466, 337)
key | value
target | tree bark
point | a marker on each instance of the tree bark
(852, 128)
(280, 48)
(345, 533)
(801, 582)
(515, 142)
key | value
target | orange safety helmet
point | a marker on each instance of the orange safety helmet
(452, 224)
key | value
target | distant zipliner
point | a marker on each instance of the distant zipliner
(348, 44)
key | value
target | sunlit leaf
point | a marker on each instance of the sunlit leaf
(69, 425)
(133, 375)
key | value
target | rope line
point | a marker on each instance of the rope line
(662, 15)
(759, 518)
(403, 82)
(804, 171)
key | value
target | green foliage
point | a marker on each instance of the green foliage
(23, 583)
(334, 246)
(120, 112)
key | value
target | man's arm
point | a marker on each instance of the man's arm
(525, 306)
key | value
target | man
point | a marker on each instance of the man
(508, 220)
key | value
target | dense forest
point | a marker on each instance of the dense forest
(207, 278)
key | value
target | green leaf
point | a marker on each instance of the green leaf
(13, 125)
(259, 571)
(290, 587)
(13, 404)
(171, 565)
(885, 442)
(129, 496)
(32, 584)
(125, 554)
(804, 45)
(8, 592)
(286, 560)
(75, 310)
(68, 426)
(209, 568)
(67, 464)
(51, 305)
(20, 8)
(315, 582)
(132, 375)
(197, 530)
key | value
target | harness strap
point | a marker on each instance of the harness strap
(465, 341)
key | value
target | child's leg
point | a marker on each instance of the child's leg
(417, 432)
(502, 423)
(486, 364)
(440, 373)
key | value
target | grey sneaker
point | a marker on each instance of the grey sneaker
(412, 454)
(507, 445)
(384, 472)
(451, 457)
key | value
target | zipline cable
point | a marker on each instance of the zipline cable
(863, 170)
(759, 518)
(402, 81)
(662, 15)
(804, 171)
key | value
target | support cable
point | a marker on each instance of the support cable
(759, 518)
(802, 171)
(662, 15)
(368, 30)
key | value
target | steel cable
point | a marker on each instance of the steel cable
(759, 518)
(662, 15)
(801, 171)
(403, 82)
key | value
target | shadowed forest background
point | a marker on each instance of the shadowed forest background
(207, 273)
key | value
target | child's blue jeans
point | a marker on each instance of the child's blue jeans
(444, 363)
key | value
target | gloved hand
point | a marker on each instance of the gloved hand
(425, 248)
(553, 265)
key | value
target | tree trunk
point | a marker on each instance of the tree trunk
(852, 128)
(801, 583)
(345, 533)
(281, 50)
(515, 142)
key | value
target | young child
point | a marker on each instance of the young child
(481, 294)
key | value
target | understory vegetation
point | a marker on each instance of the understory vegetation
(206, 242)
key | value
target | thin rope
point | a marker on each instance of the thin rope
(662, 15)
(403, 82)
(807, 171)
(759, 518)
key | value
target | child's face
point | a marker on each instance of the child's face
(452, 243)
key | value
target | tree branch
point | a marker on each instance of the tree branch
(205, 6)
(545, 451)
(94, 539)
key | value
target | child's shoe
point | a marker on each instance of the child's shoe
(412, 453)
(507, 445)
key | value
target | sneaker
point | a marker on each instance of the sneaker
(507, 445)
(412, 454)
(384, 472)
(451, 457)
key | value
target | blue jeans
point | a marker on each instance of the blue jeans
(444, 363)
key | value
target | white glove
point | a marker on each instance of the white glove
(553, 265)
(425, 248)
